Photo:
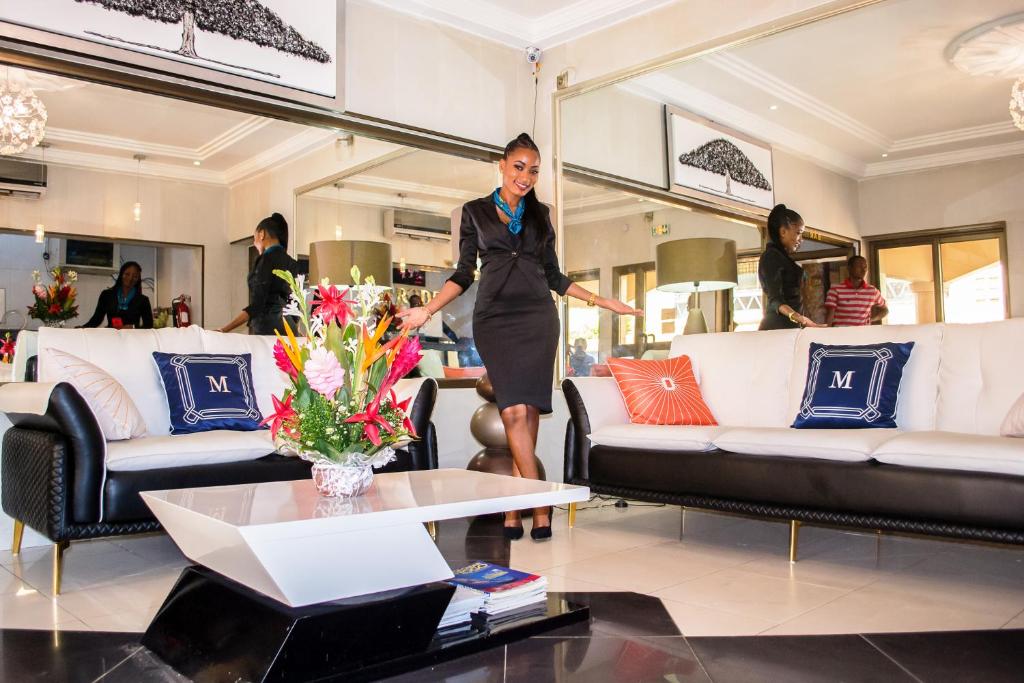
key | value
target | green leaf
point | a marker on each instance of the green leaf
(335, 342)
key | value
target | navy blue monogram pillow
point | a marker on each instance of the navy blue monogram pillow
(852, 387)
(207, 391)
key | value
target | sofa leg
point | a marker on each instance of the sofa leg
(19, 531)
(432, 530)
(572, 515)
(682, 521)
(58, 564)
(794, 538)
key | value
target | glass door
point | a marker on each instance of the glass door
(973, 289)
(583, 327)
(906, 276)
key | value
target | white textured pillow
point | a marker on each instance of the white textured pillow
(114, 409)
(1013, 423)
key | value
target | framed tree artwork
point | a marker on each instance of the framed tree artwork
(283, 48)
(712, 162)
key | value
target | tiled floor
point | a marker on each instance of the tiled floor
(727, 576)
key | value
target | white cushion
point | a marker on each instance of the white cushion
(1013, 423)
(744, 377)
(915, 409)
(847, 445)
(112, 406)
(656, 437)
(603, 401)
(980, 377)
(203, 448)
(954, 451)
(127, 355)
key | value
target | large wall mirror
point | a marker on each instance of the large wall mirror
(886, 127)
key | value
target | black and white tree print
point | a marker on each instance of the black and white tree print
(246, 20)
(722, 157)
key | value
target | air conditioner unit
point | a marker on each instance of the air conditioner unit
(416, 225)
(23, 179)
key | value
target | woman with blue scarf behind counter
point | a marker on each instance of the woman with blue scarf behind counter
(124, 305)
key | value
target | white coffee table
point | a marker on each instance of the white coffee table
(287, 542)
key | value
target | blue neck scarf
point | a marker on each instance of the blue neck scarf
(122, 300)
(272, 247)
(515, 218)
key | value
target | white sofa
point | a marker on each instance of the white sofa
(60, 477)
(945, 470)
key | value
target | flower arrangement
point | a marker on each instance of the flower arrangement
(341, 407)
(56, 302)
(6, 348)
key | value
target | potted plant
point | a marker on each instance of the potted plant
(54, 304)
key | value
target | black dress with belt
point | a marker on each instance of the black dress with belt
(781, 278)
(515, 322)
(269, 294)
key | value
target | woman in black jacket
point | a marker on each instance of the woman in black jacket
(124, 305)
(268, 294)
(515, 321)
(779, 274)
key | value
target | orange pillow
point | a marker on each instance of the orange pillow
(661, 392)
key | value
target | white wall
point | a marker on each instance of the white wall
(85, 202)
(957, 195)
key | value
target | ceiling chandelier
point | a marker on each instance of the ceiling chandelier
(995, 48)
(22, 118)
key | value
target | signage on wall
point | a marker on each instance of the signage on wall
(280, 43)
(711, 161)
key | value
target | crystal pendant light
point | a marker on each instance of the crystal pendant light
(22, 118)
(1017, 103)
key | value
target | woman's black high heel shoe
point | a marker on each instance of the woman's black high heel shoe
(513, 533)
(542, 533)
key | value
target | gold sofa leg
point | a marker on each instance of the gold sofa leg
(19, 531)
(794, 538)
(58, 564)
(572, 515)
(432, 530)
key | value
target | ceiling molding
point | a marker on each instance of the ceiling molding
(111, 164)
(785, 92)
(482, 19)
(663, 88)
(957, 135)
(232, 136)
(600, 215)
(380, 200)
(125, 145)
(295, 146)
(407, 187)
(599, 198)
(931, 161)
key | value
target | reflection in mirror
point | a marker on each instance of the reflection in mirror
(408, 198)
(899, 148)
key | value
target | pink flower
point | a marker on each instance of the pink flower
(323, 372)
(330, 304)
(408, 356)
(39, 291)
(284, 363)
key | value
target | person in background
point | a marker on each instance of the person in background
(415, 301)
(854, 302)
(579, 360)
(780, 275)
(268, 294)
(124, 305)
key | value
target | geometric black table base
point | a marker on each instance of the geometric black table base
(211, 628)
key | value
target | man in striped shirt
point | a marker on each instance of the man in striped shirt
(854, 302)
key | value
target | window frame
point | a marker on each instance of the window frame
(935, 238)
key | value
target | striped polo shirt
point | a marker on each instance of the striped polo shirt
(853, 304)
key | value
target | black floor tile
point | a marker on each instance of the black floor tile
(483, 667)
(625, 615)
(958, 657)
(603, 660)
(66, 656)
(145, 667)
(795, 659)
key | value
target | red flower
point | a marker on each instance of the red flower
(7, 347)
(404, 407)
(63, 293)
(330, 304)
(54, 309)
(284, 363)
(372, 422)
(408, 356)
(284, 414)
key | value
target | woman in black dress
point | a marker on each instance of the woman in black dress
(268, 294)
(515, 321)
(781, 276)
(124, 305)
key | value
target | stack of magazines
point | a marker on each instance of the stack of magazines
(465, 602)
(500, 588)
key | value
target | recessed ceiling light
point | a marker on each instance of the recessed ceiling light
(884, 156)
(774, 107)
(196, 163)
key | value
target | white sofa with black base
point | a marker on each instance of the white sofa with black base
(945, 471)
(60, 477)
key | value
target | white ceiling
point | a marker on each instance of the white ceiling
(101, 127)
(538, 23)
(853, 88)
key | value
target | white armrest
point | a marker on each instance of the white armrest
(25, 397)
(404, 388)
(603, 401)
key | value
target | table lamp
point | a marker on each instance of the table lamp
(334, 259)
(695, 265)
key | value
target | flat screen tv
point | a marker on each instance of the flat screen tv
(90, 254)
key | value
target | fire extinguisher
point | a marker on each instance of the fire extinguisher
(182, 310)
